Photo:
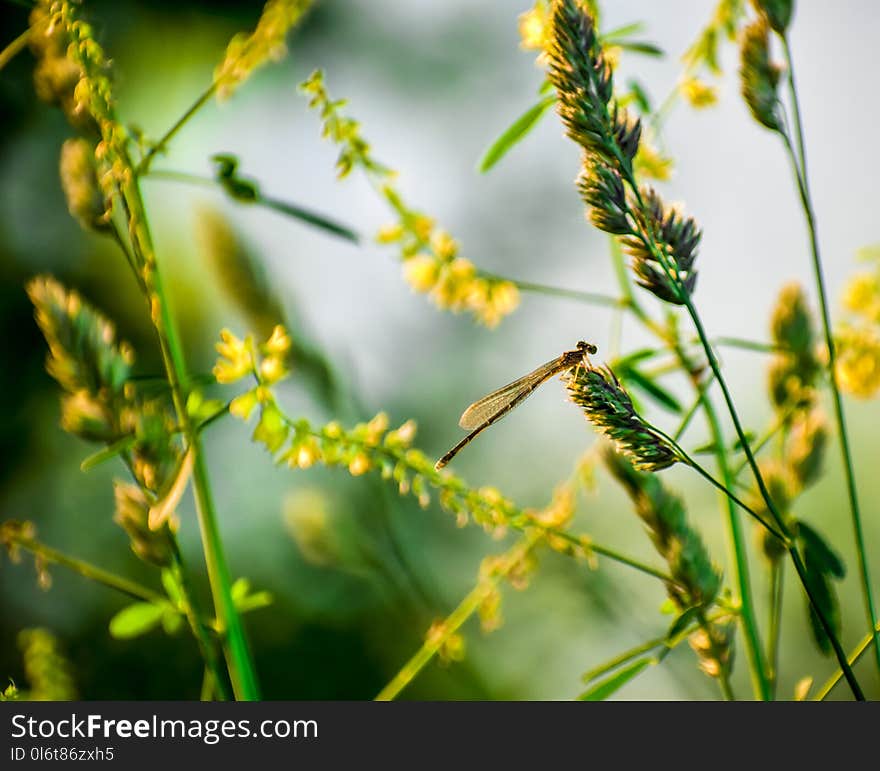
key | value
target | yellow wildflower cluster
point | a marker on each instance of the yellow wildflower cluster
(800, 423)
(79, 181)
(535, 27)
(432, 266)
(240, 358)
(431, 261)
(650, 162)
(697, 92)
(247, 52)
(343, 131)
(703, 54)
(858, 360)
(71, 73)
(858, 343)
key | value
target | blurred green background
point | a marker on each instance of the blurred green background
(433, 83)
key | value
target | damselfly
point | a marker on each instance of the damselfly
(490, 409)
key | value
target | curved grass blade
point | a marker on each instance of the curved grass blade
(515, 133)
(607, 687)
(311, 218)
(638, 47)
(652, 389)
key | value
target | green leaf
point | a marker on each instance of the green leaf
(171, 621)
(254, 601)
(826, 598)
(640, 96)
(652, 389)
(248, 191)
(312, 218)
(96, 459)
(637, 47)
(245, 601)
(681, 623)
(668, 607)
(136, 619)
(515, 133)
(818, 552)
(199, 408)
(705, 449)
(605, 688)
(623, 31)
(172, 588)
(635, 357)
(239, 589)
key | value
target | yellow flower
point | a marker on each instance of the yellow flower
(272, 370)
(858, 361)
(421, 272)
(862, 296)
(359, 464)
(650, 162)
(79, 181)
(278, 343)
(245, 53)
(304, 454)
(390, 234)
(535, 27)
(450, 645)
(444, 246)
(242, 406)
(698, 93)
(235, 359)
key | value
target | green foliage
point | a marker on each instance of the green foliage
(613, 683)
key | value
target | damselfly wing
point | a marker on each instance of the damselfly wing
(491, 408)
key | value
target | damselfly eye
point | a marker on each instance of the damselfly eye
(586, 347)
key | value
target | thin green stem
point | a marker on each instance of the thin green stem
(207, 692)
(617, 556)
(740, 561)
(763, 440)
(666, 643)
(466, 608)
(866, 642)
(698, 403)
(689, 461)
(771, 506)
(144, 166)
(806, 201)
(740, 555)
(207, 644)
(749, 345)
(591, 298)
(684, 298)
(273, 204)
(211, 419)
(629, 298)
(14, 48)
(86, 569)
(238, 657)
(626, 656)
(723, 676)
(775, 627)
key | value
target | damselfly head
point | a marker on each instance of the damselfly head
(586, 347)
